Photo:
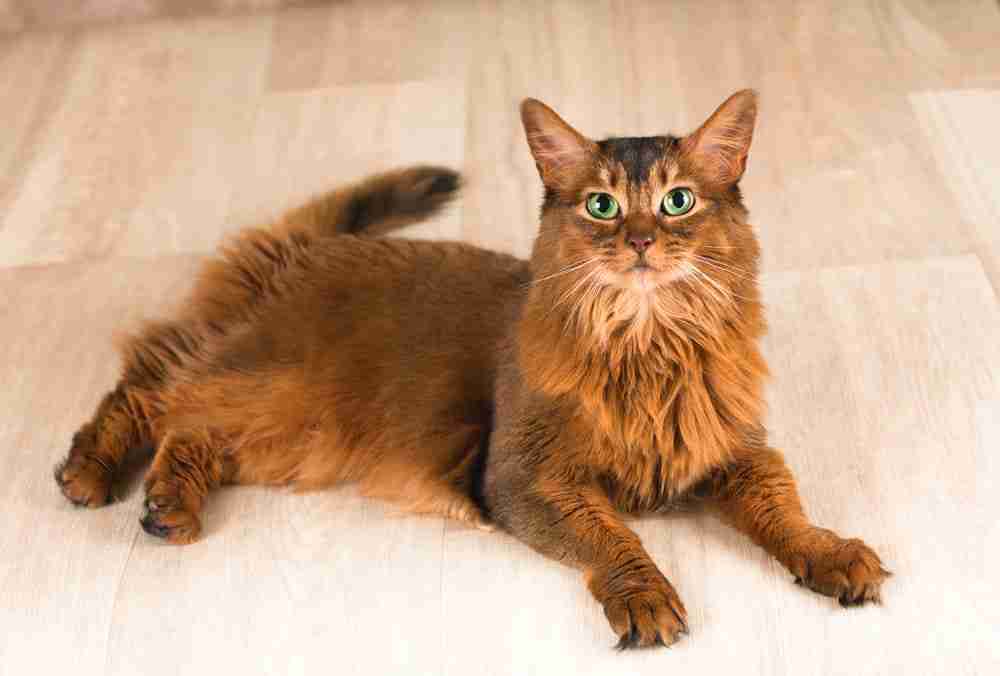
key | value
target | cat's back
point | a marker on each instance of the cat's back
(364, 305)
(432, 287)
(416, 268)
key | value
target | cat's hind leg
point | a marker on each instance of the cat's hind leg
(87, 474)
(186, 467)
(126, 417)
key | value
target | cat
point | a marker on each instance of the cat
(616, 372)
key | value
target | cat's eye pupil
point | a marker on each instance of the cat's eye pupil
(678, 199)
(603, 203)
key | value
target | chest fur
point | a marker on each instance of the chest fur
(652, 427)
(652, 403)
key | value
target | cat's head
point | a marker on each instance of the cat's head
(640, 215)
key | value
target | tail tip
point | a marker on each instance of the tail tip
(434, 183)
(397, 198)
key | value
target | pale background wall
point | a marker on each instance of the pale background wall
(22, 15)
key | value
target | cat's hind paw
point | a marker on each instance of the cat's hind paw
(84, 481)
(164, 519)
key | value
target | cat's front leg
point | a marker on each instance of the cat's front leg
(578, 526)
(757, 494)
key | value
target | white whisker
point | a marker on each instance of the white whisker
(566, 270)
(715, 291)
(722, 267)
(580, 282)
(729, 294)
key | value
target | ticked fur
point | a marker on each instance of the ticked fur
(616, 371)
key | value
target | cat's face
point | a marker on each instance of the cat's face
(640, 214)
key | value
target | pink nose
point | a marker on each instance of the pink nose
(640, 242)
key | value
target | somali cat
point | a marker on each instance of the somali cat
(615, 373)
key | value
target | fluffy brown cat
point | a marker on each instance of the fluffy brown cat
(615, 372)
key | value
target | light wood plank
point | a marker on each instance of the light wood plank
(960, 127)
(358, 42)
(942, 45)
(140, 149)
(36, 68)
(288, 584)
(33, 15)
(303, 143)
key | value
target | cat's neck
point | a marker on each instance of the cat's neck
(628, 363)
(609, 334)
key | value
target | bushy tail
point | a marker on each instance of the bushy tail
(378, 204)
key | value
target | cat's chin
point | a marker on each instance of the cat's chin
(646, 279)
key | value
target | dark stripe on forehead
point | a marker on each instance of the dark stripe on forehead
(637, 154)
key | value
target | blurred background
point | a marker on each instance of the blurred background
(134, 135)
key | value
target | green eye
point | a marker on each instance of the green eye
(602, 205)
(678, 201)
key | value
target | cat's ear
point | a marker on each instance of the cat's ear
(719, 148)
(558, 149)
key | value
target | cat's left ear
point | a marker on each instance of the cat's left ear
(720, 146)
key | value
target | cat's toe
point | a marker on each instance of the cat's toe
(847, 570)
(84, 482)
(647, 616)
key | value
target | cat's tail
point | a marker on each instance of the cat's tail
(378, 204)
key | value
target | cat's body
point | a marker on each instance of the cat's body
(617, 371)
(306, 397)
(308, 357)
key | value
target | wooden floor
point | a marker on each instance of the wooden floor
(126, 152)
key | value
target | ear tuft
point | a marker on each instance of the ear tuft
(720, 146)
(557, 148)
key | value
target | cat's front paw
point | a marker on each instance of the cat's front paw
(644, 612)
(846, 569)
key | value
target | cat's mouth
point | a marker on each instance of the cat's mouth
(641, 276)
(645, 277)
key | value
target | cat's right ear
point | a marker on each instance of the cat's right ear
(558, 149)
(719, 148)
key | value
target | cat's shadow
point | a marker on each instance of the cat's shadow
(717, 535)
(131, 472)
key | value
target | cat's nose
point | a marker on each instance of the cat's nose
(640, 241)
